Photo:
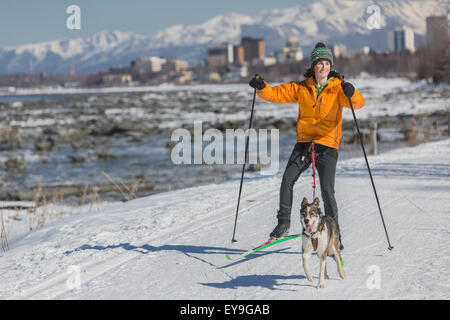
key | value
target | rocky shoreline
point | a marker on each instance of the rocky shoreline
(64, 144)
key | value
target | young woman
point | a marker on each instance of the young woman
(321, 98)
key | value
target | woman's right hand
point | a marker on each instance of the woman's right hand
(257, 82)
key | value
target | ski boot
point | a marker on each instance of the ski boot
(282, 228)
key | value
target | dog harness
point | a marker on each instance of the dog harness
(320, 228)
(313, 158)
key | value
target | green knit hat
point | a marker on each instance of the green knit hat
(321, 52)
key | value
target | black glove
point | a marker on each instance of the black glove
(348, 89)
(257, 82)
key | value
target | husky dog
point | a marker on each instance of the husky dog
(322, 234)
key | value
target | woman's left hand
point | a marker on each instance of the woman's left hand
(348, 89)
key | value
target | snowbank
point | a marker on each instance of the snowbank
(172, 245)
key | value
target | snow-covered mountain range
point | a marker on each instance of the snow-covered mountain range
(331, 21)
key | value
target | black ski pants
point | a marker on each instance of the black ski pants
(299, 161)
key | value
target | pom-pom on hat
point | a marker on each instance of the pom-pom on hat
(321, 52)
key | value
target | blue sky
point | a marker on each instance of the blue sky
(32, 21)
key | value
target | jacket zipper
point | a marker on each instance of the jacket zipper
(317, 99)
(317, 103)
(320, 101)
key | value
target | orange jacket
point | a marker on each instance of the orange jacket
(319, 118)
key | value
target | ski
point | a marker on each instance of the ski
(266, 244)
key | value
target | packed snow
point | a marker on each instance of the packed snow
(172, 245)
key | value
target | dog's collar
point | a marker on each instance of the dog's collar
(310, 235)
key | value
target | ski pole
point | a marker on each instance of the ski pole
(370, 173)
(243, 167)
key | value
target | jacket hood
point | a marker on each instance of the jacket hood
(333, 82)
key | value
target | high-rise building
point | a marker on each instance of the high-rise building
(238, 53)
(293, 43)
(339, 50)
(230, 52)
(291, 52)
(401, 39)
(216, 57)
(253, 48)
(220, 56)
(174, 65)
(156, 63)
(149, 64)
(438, 29)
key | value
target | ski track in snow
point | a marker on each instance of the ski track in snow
(173, 245)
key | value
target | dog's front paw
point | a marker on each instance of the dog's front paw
(310, 279)
(320, 285)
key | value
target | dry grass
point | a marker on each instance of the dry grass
(422, 130)
(117, 186)
(49, 207)
(40, 212)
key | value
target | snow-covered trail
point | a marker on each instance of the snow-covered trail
(172, 245)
